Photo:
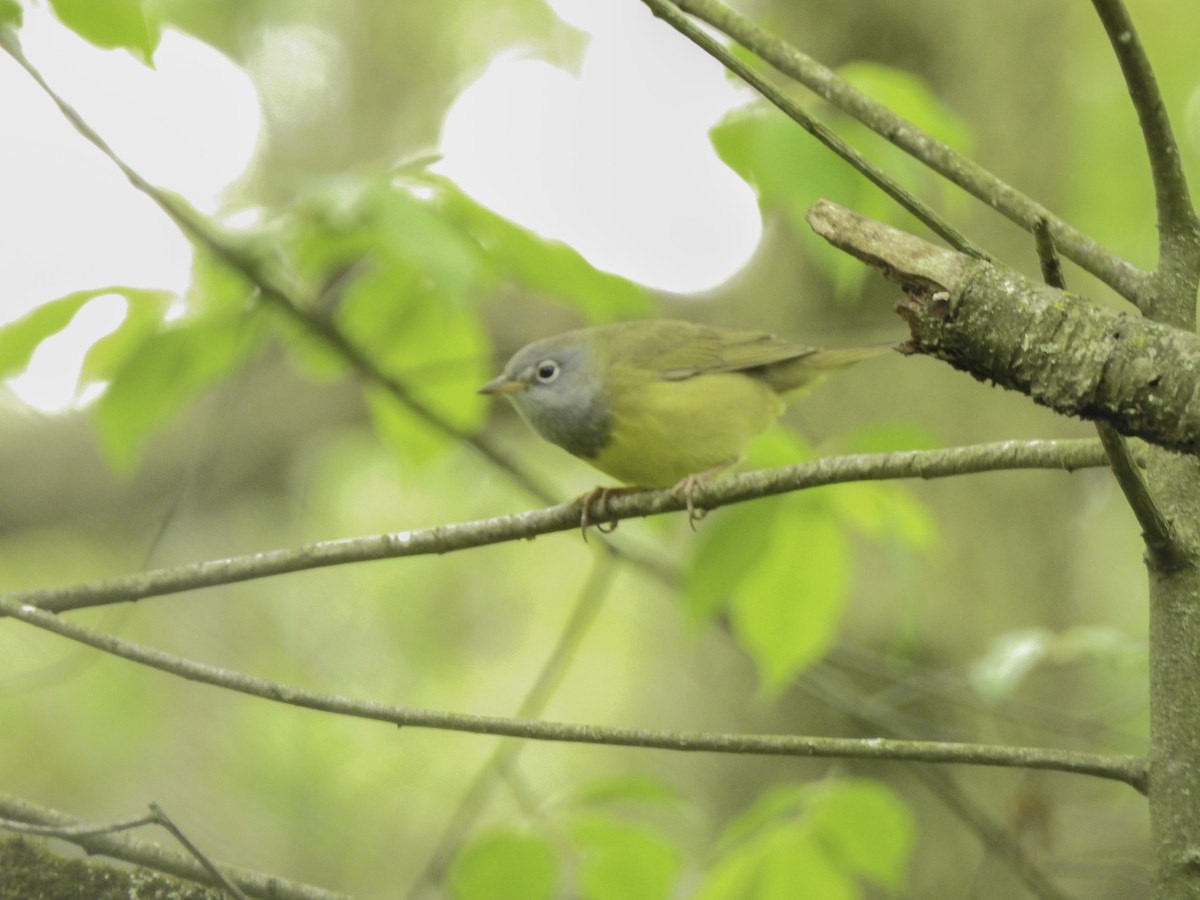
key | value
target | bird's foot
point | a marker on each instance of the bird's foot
(598, 498)
(688, 485)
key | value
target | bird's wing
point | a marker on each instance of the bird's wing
(679, 350)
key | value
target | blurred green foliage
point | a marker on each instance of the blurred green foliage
(990, 607)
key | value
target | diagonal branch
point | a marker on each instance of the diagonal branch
(273, 287)
(1128, 769)
(671, 14)
(1129, 281)
(1178, 225)
(1000, 456)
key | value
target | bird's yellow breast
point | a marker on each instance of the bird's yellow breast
(664, 430)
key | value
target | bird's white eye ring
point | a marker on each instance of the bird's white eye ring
(546, 371)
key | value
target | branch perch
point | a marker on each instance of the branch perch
(1000, 456)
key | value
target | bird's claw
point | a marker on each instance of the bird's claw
(597, 497)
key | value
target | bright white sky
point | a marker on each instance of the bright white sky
(614, 161)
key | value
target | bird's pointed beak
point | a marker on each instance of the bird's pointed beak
(502, 385)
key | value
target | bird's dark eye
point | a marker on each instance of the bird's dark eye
(546, 371)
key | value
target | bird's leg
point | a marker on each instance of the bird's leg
(688, 484)
(598, 497)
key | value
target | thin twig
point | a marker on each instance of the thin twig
(1129, 281)
(1157, 532)
(1066, 455)
(1128, 769)
(81, 830)
(672, 15)
(161, 818)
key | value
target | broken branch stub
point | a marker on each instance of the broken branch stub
(1061, 349)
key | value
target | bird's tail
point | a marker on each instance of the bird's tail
(795, 375)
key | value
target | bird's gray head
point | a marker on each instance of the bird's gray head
(557, 387)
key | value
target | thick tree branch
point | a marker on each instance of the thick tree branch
(1060, 349)
(1000, 456)
(1157, 533)
(1128, 769)
(1129, 281)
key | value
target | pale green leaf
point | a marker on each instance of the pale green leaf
(143, 316)
(885, 511)
(784, 861)
(161, 375)
(866, 829)
(11, 13)
(623, 861)
(110, 24)
(729, 545)
(504, 865)
(549, 268)
(782, 802)
(786, 609)
(620, 789)
(19, 339)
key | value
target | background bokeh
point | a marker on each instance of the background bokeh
(1006, 607)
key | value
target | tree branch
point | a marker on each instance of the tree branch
(273, 288)
(1178, 226)
(1060, 349)
(1127, 769)
(100, 839)
(671, 14)
(1157, 533)
(927, 464)
(1128, 280)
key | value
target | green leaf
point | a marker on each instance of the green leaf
(641, 789)
(911, 97)
(19, 339)
(438, 351)
(885, 437)
(885, 512)
(780, 802)
(727, 548)
(786, 608)
(623, 861)
(783, 862)
(865, 828)
(817, 839)
(789, 169)
(110, 23)
(504, 865)
(143, 316)
(163, 373)
(546, 267)
(11, 13)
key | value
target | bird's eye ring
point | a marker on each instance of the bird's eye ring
(546, 371)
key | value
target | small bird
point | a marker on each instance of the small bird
(661, 403)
